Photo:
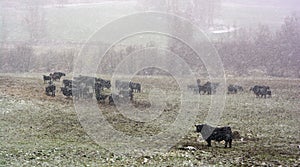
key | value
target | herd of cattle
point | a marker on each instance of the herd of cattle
(211, 88)
(85, 87)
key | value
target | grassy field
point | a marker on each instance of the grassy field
(39, 130)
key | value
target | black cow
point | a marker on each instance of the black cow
(50, 89)
(103, 83)
(269, 93)
(233, 89)
(239, 88)
(261, 91)
(101, 97)
(67, 83)
(46, 78)
(135, 87)
(99, 85)
(210, 133)
(202, 89)
(57, 75)
(66, 91)
(209, 88)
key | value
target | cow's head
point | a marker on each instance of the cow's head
(199, 127)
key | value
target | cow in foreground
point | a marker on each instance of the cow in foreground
(210, 133)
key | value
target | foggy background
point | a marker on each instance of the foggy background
(256, 38)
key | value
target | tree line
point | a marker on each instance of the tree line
(271, 53)
(244, 52)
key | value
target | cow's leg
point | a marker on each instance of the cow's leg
(110, 100)
(208, 142)
(230, 142)
(209, 91)
(226, 143)
(46, 91)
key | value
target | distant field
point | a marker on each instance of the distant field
(77, 23)
(39, 130)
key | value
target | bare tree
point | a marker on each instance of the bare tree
(20, 59)
(288, 42)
